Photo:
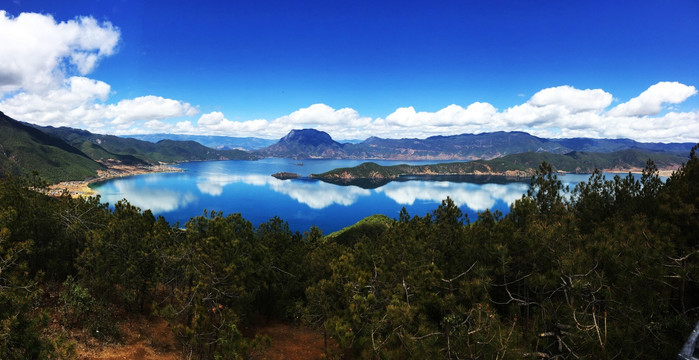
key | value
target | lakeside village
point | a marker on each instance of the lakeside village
(82, 187)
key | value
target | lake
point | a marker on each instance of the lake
(247, 187)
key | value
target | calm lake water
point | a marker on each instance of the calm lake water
(246, 187)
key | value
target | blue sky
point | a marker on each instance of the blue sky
(360, 68)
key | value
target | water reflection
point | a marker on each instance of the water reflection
(246, 187)
(213, 184)
(157, 199)
(476, 197)
(319, 195)
(315, 194)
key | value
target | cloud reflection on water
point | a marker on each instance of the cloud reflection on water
(319, 195)
(477, 197)
(315, 194)
(156, 199)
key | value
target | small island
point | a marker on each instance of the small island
(286, 175)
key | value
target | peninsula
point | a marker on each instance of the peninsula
(511, 166)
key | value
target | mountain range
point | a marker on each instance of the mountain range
(214, 142)
(310, 143)
(64, 153)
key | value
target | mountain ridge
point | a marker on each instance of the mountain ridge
(163, 151)
(213, 141)
(311, 143)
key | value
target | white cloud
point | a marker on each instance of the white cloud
(40, 60)
(43, 64)
(216, 123)
(651, 101)
(144, 108)
(79, 103)
(556, 112)
(573, 99)
(321, 114)
(35, 50)
(74, 103)
(453, 115)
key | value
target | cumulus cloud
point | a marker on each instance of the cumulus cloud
(36, 51)
(321, 114)
(651, 101)
(126, 112)
(216, 123)
(318, 116)
(72, 103)
(42, 68)
(453, 115)
(79, 103)
(572, 99)
(555, 112)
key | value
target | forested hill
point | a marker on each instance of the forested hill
(104, 147)
(59, 154)
(310, 143)
(24, 149)
(516, 165)
(608, 270)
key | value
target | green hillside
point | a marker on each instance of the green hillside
(133, 151)
(371, 227)
(24, 149)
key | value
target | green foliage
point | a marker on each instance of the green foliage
(24, 149)
(76, 302)
(371, 227)
(608, 270)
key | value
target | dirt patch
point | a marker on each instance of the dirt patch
(150, 338)
(291, 342)
(144, 339)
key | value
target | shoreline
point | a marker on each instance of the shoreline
(81, 188)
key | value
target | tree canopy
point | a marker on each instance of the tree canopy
(609, 269)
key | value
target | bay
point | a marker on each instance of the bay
(247, 187)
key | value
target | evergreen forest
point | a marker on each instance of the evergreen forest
(606, 270)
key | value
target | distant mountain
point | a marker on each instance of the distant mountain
(214, 142)
(133, 151)
(309, 143)
(370, 174)
(610, 145)
(24, 149)
(305, 144)
(457, 147)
